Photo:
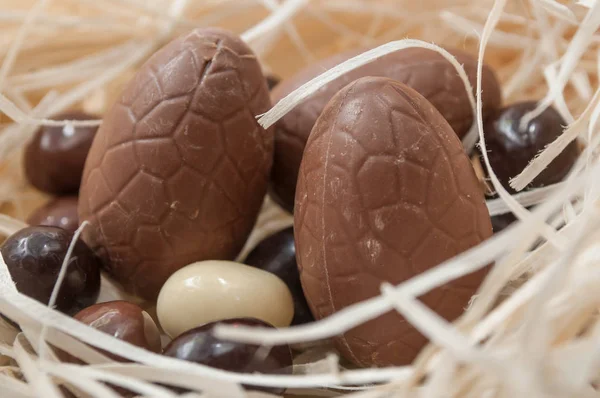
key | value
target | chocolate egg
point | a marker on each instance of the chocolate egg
(55, 157)
(209, 291)
(125, 321)
(179, 168)
(59, 212)
(277, 254)
(424, 70)
(385, 192)
(272, 81)
(201, 346)
(510, 148)
(34, 256)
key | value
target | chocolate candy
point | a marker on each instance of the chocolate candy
(34, 256)
(54, 158)
(180, 166)
(59, 212)
(209, 291)
(277, 255)
(272, 81)
(201, 346)
(125, 321)
(385, 192)
(424, 70)
(510, 149)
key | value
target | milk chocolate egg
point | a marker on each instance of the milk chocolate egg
(424, 70)
(209, 291)
(385, 192)
(179, 168)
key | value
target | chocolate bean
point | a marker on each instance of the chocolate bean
(54, 158)
(59, 212)
(272, 81)
(385, 192)
(180, 166)
(34, 256)
(426, 71)
(277, 255)
(199, 345)
(510, 148)
(125, 321)
(209, 291)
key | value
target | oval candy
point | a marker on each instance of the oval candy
(209, 291)
(179, 168)
(385, 192)
(426, 71)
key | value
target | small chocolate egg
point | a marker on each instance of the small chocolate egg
(510, 149)
(277, 254)
(55, 157)
(201, 346)
(272, 81)
(59, 212)
(34, 256)
(209, 291)
(125, 321)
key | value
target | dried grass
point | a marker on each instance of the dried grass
(532, 329)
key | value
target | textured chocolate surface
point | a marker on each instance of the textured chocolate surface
(424, 70)
(200, 346)
(179, 168)
(59, 212)
(55, 157)
(277, 254)
(385, 192)
(510, 149)
(34, 256)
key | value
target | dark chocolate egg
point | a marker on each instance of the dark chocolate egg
(55, 157)
(272, 81)
(277, 254)
(34, 256)
(200, 346)
(426, 71)
(125, 321)
(510, 148)
(385, 192)
(179, 168)
(59, 212)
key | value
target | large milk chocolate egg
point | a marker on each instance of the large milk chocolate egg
(179, 168)
(424, 70)
(385, 192)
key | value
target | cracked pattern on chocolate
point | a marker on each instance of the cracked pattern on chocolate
(424, 70)
(385, 192)
(179, 168)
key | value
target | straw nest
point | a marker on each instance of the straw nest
(532, 329)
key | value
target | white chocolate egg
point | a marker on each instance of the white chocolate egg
(209, 291)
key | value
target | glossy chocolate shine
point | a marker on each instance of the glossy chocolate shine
(55, 157)
(277, 254)
(200, 346)
(34, 256)
(123, 320)
(385, 192)
(510, 149)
